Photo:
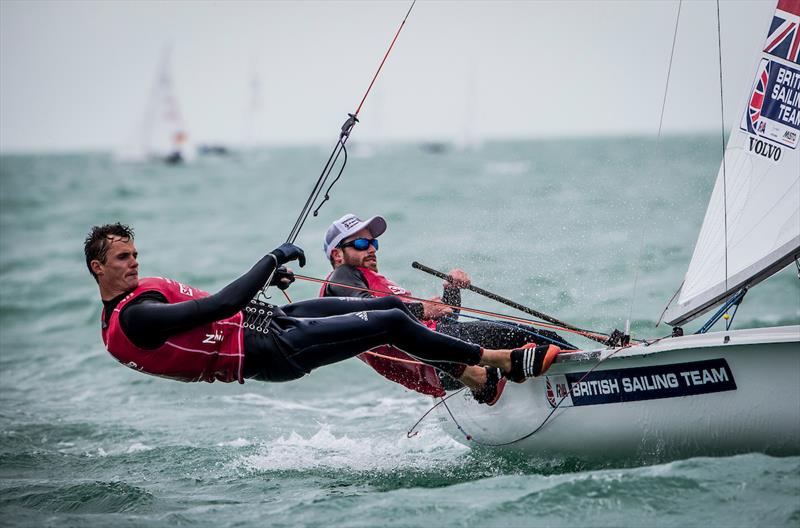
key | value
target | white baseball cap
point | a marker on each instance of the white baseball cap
(347, 226)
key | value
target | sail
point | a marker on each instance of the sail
(751, 228)
(162, 131)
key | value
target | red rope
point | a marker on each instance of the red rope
(473, 310)
(400, 360)
(403, 23)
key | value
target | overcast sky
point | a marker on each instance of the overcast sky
(78, 74)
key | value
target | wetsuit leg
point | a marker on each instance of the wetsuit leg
(328, 306)
(314, 342)
(264, 360)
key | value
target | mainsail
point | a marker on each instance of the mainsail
(756, 198)
(161, 135)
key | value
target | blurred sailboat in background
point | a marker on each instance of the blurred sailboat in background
(161, 135)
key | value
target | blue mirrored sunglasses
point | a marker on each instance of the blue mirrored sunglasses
(361, 244)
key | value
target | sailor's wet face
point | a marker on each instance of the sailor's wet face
(120, 271)
(366, 258)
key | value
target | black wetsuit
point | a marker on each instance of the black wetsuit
(297, 339)
(487, 334)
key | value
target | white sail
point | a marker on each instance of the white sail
(161, 135)
(756, 198)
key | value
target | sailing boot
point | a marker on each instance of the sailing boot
(492, 389)
(531, 360)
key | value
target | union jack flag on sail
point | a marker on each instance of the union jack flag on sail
(783, 39)
(757, 97)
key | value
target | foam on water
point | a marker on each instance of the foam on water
(239, 442)
(137, 447)
(326, 450)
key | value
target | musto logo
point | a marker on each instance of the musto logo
(641, 383)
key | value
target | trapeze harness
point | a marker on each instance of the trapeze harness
(208, 352)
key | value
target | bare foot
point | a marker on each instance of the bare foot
(473, 377)
(497, 358)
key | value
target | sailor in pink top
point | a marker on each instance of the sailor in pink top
(351, 245)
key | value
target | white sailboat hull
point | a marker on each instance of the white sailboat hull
(712, 394)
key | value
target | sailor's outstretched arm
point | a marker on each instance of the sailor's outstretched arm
(151, 321)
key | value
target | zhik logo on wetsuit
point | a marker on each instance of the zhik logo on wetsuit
(216, 337)
(361, 315)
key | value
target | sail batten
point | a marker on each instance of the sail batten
(756, 198)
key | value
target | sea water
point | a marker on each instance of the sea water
(591, 231)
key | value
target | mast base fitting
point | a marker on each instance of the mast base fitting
(618, 339)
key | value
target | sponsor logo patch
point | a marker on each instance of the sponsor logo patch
(773, 109)
(398, 290)
(216, 337)
(640, 383)
(763, 148)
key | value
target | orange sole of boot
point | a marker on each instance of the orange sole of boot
(549, 357)
(499, 392)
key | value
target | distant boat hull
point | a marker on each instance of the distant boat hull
(712, 394)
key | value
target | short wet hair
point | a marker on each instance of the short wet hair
(99, 240)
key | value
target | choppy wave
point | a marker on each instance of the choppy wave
(87, 498)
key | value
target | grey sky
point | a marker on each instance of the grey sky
(78, 74)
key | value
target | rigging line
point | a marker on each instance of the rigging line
(309, 200)
(341, 170)
(318, 190)
(596, 335)
(352, 119)
(403, 23)
(722, 134)
(399, 360)
(340, 144)
(669, 68)
(411, 432)
(658, 144)
(661, 317)
(326, 170)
